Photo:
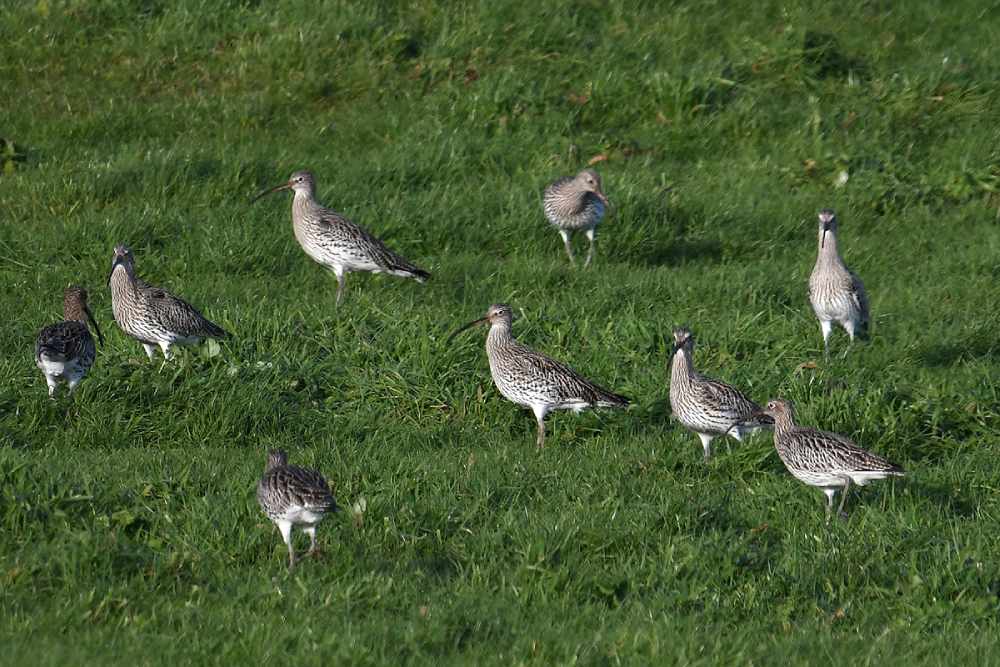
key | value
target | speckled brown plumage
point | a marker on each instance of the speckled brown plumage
(708, 407)
(337, 243)
(65, 351)
(293, 496)
(534, 380)
(835, 292)
(152, 315)
(576, 203)
(825, 460)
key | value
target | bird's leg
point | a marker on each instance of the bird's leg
(540, 413)
(569, 248)
(829, 503)
(150, 350)
(849, 328)
(827, 327)
(706, 443)
(843, 498)
(51, 381)
(590, 253)
(341, 279)
(286, 534)
(313, 547)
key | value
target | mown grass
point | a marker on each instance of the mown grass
(130, 531)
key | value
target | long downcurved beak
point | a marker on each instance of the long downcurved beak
(277, 188)
(826, 228)
(90, 316)
(600, 195)
(463, 328)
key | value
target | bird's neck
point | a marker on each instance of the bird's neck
(499, 336)
(827, 254)
(783, 424)
(73, 312)
(303, 203)
(682, 367)
(122, 284)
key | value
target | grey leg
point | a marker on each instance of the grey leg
(590, 253)
(569, 248)
(843, 498)
(150, 350)
(286, 534)
(829, 503)
(341, 280)
(706, 443)
(540, 419)
(313, 548)
(827, 327)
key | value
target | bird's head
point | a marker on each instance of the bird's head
(498, 313)
(276, 458)
(683, 339)
(827, 223)
(75, 307)
(300, 182)
(123, 257)
(589, 180)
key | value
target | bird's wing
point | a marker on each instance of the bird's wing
(177, 315)
(351, 234)
(860, 296)
(726, 397)
(63, 341)
(570, 384)
(309, 489)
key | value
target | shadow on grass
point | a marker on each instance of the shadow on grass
(949, 354)
(949, 498)
(680, 251)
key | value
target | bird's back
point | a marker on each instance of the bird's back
(332, 239)
(813, 452)
(65, 342)
(293, 493)
(568, 209)
(527, 377)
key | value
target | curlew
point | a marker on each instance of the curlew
(835, 292)
(334, 241)
(827, 461)
(65, 351)
(575, 203)
(533, 380)
(707, 407)
(292, 496)
(151, 315)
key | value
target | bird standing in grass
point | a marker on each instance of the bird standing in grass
(836, 292)
(292, 496)
(334, 241)
(151, 315)
(534, 380)
(65, 351)
(827, 461)
(575, 203)
(705, 406)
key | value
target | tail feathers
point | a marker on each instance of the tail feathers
(213, 330)
(404, 270)
(758, 421)
(609, 399)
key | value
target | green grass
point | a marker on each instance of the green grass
(129, 532)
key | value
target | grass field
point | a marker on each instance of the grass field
(129, 531)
